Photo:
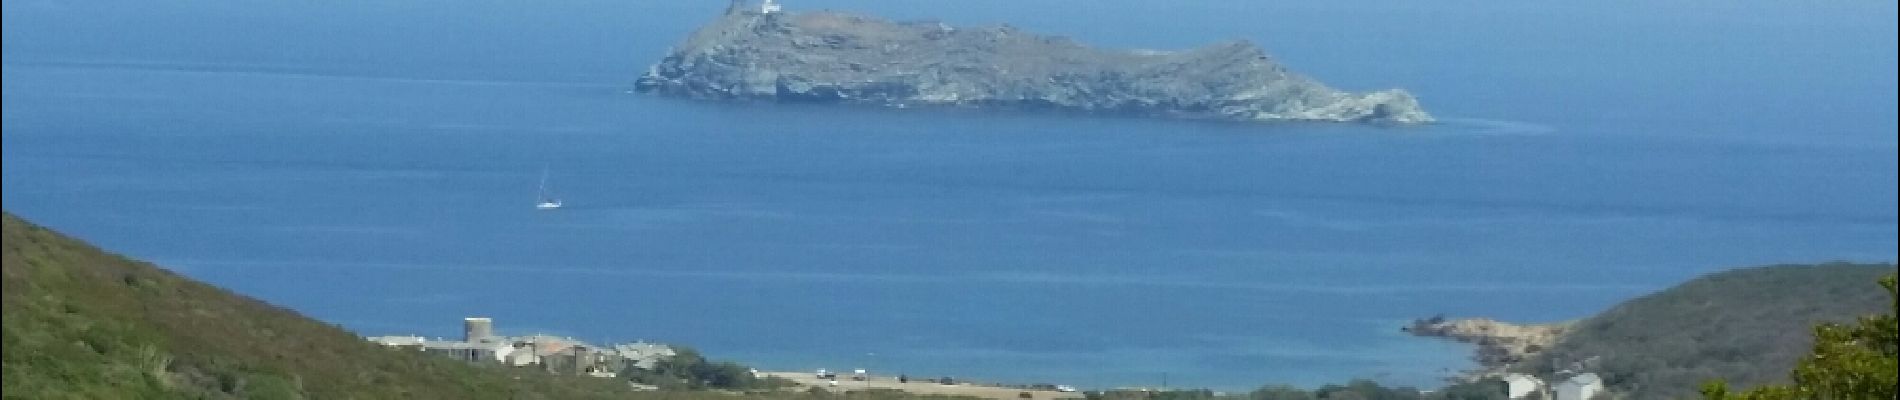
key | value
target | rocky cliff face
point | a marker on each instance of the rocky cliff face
(841, 58)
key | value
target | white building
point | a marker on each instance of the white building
(1516, 386)
(524, 355)
(396, 341)
(770, 6)
(1581, 387)
(479, 343)
(476, 329)
(471, 351)
(643, 355)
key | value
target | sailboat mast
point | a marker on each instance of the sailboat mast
(542, 200)
(541, 193)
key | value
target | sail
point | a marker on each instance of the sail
(542, 199)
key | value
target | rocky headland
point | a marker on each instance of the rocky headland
(760, 52)
(1499, 345)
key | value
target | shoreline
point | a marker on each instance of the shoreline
(1496, 345)
(918, 385)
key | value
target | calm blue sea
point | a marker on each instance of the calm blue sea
(374, 164)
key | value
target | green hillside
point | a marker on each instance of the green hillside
(1748, 326)
(84, 324)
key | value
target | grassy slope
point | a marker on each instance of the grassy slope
(80, 323)
(1747, 325)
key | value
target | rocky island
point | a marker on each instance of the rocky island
(758, 51)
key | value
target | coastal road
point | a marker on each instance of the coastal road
(916, 385)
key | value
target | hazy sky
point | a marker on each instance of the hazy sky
(554, 38)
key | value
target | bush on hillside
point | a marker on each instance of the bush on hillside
(1747, 326)
(1849, 361)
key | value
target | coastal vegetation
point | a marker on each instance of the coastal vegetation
(1849, 361)
(688, 370)
(1358, 389)
(82, 323)
(85, 324)
(1746, 326)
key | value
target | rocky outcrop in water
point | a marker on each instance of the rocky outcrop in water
(761, 53)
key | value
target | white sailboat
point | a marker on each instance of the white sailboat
(544, 201)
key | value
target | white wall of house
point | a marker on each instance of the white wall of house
(1517, 386)
(1580, 387)
(398, 340)
(502, 350)
(521, 357)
